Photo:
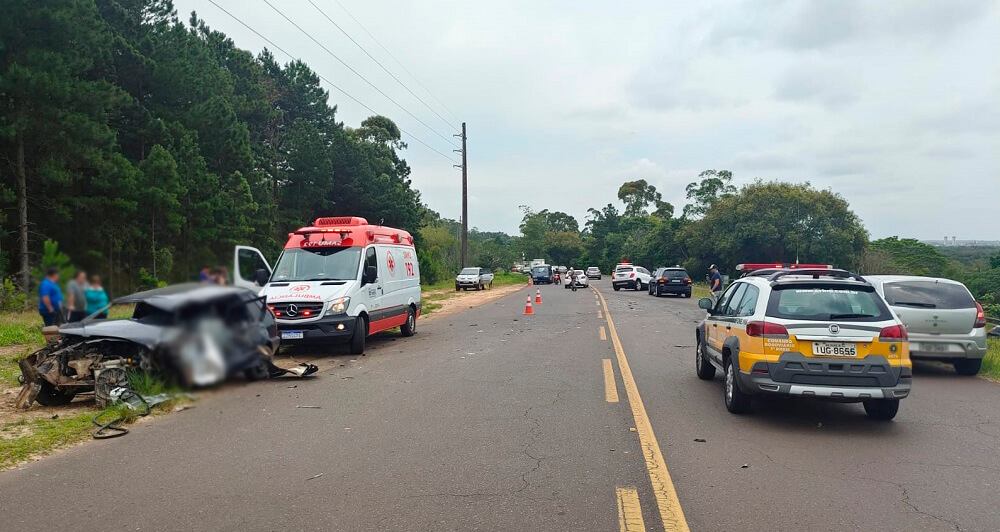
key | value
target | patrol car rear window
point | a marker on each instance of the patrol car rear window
(928, 294)
(827, 302)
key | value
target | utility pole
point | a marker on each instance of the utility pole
(465, 197)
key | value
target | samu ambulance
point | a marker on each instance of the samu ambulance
(339, 280)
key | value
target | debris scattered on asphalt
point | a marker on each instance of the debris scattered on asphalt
(473, 325)
(292, 386)
(700, 440)
(181, 408)
(631, 429)
(307, 406)
(55, 416)
(315, 476)
(744, 466)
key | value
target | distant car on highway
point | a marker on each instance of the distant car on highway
(578, 277)
(670, 281)
(542, 274)
(817, 333)
(943, 320)
(634, 277)
(478, 278)
(594, 272)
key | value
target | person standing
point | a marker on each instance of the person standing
(76, 296)
(715, 283)
(50, 298)
(97, 298)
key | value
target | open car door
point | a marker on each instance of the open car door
(247, 262)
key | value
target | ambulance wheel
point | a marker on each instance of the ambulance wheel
(409, 327)
(360, 335)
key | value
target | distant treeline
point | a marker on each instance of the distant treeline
(143, 144)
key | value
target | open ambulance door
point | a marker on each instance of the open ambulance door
(250, 268)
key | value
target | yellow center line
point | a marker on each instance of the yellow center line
(601, 333)
(663, 487)
(610, 386)
(629, 511)
(600, 315)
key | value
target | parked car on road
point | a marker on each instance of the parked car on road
(634, 277)
(578, 277)
(943, 320)
(813, 333)
(478, 278)
(594, 272)
(542, 274)
(670, 281)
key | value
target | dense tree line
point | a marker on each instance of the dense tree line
(141, 143)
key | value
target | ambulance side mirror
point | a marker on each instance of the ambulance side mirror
(261, 277)
(370, 275)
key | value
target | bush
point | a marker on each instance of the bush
(147, 281)
(53, 258)
(10, 297)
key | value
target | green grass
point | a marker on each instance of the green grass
(24, 439)
(700, 290)
(991, 363)
(21, 328)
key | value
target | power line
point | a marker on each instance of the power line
(377, 62)
(349, 67)
(397, 61)
(320, 76)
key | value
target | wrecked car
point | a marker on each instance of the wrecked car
(193, 334)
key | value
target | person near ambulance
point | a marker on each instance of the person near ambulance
(715, 283)
(339, 280)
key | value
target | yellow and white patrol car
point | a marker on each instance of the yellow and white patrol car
(810, 332)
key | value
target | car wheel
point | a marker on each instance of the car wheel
(50, 396)
(617, 288)
(458, 288)
(737, 402)
(687, 294)
(360, 336)
(704, 368)
(409, 327)
(882, 409)
(968, 366)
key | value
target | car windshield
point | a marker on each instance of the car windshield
(928, 294)
(827, 302)
(469, 271)
(318, 264)
(540, 269)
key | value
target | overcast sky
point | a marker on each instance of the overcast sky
(894, 104)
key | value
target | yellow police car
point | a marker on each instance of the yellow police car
(809, 332)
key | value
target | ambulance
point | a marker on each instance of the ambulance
(339, 280)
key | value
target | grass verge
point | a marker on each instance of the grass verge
(991, 362)
(21, 328)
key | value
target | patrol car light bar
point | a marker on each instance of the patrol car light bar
(781, 265)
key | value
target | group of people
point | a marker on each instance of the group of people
(82, 299)
(217, 275)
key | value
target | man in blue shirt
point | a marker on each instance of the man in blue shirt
(715, 283)
(50, 298)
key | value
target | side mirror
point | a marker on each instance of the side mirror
(261, 277)
(370, 275)
(705, 303)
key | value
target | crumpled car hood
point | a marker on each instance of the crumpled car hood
(125, 329)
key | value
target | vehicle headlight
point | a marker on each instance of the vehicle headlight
(339, 305)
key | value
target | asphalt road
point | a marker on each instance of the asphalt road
(492, 420)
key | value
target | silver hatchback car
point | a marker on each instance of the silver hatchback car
(943, 320)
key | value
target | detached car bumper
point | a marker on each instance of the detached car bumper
(340, 327)
(846, 380)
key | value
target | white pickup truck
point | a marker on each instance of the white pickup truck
(478, 278)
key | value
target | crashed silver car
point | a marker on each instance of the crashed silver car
(192, 334)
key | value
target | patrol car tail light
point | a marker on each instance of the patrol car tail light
(631, 275)
(895, 333)
(765, 329)
(980, 317)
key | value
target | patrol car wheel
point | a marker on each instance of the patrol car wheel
(882, 409)
(737, 402)
(360, 335)
(409, 327)
(617, 288)
(704, 368)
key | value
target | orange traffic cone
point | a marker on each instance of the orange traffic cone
(538, 295)
(528, 309)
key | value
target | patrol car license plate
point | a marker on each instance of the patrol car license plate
(830, 349)
(292, 335)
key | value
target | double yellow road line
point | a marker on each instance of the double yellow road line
(663, 487)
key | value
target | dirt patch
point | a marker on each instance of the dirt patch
(81, 403)
(451, 301)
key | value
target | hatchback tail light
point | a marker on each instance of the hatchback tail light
(759, 329)
(895, 333)
(980, 317)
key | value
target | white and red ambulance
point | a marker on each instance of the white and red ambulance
(340, 279)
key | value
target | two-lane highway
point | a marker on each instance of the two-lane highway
(492, 420)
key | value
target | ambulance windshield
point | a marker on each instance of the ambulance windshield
(318, 264)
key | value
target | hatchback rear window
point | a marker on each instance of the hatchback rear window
(928, 294)
(827, 302)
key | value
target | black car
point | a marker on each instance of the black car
(670, 281)
(193, 334)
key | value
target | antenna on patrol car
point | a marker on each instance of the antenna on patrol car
(380, 220)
